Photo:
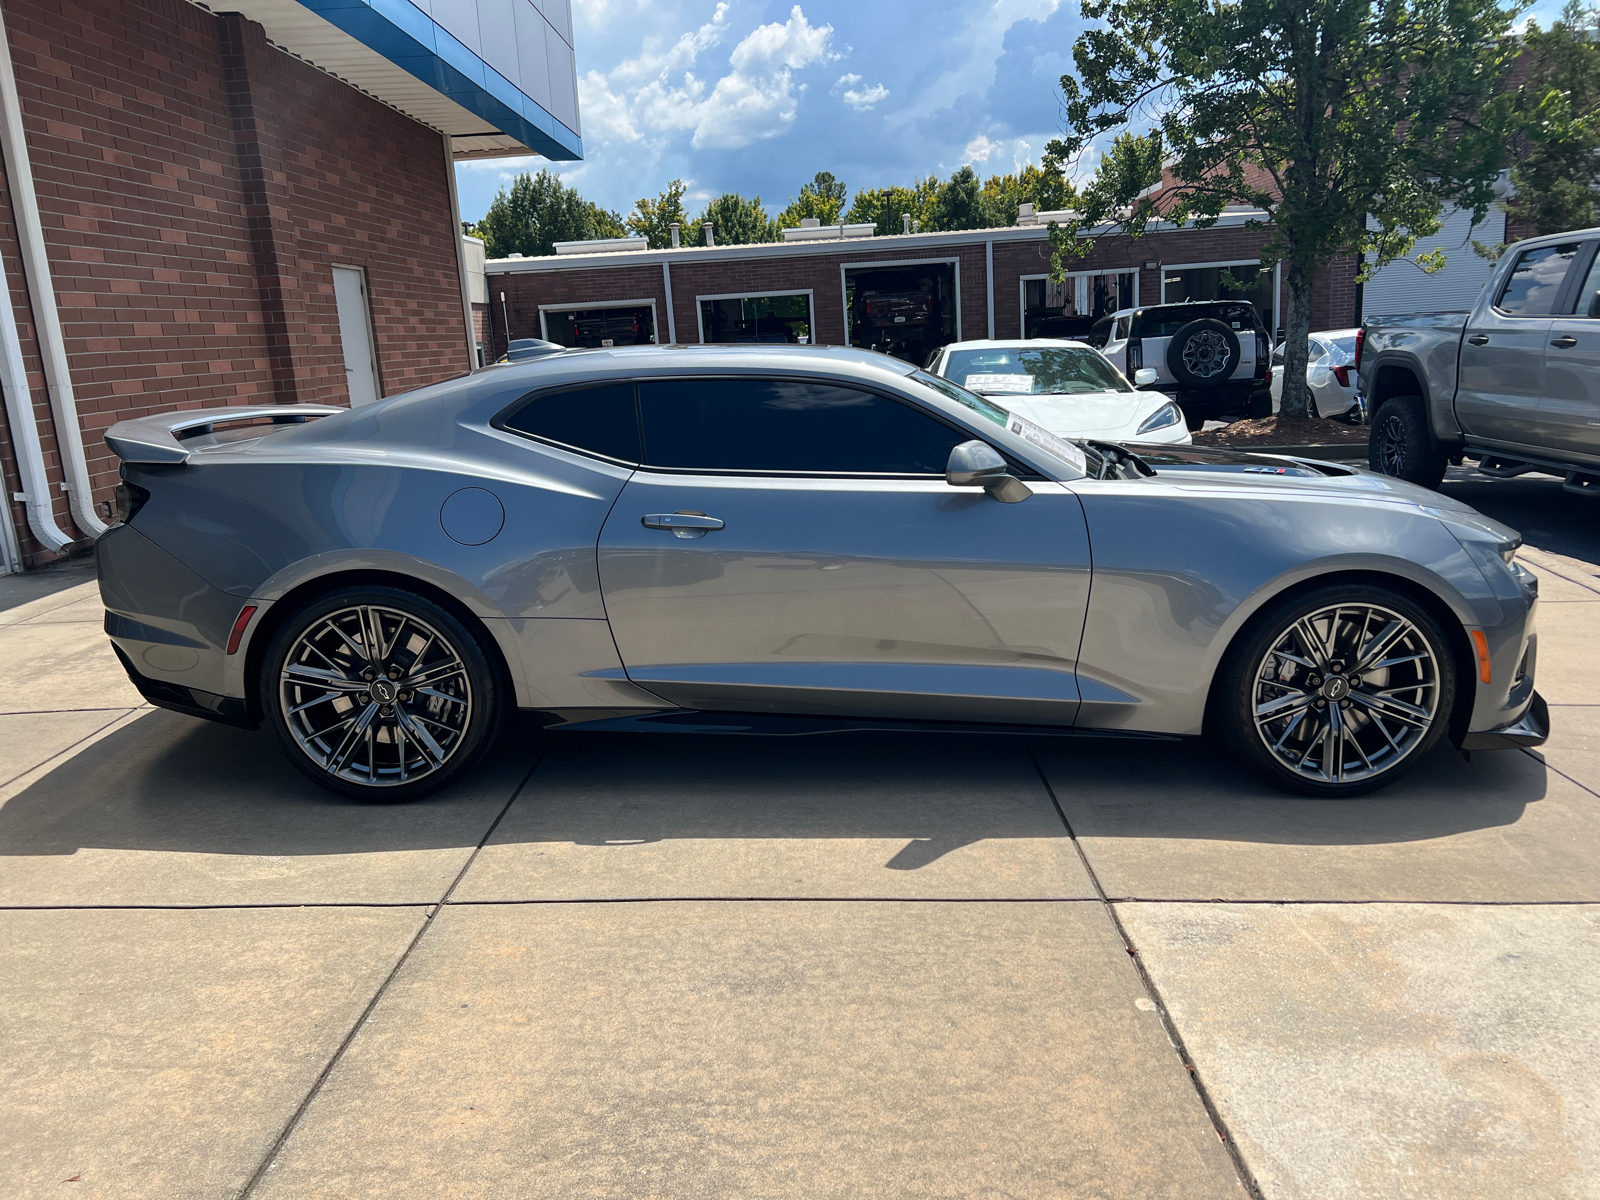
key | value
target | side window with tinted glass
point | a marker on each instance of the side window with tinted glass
(1535, 280)
(597, 420)
(1587, 302)
(788, 426)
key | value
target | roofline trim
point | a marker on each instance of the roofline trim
(896, 241)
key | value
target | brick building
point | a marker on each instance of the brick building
(984, 283)
(258, 206)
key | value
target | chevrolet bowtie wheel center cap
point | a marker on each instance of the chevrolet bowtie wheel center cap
(383, 691)
(1335, 687)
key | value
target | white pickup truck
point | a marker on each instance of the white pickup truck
(1514, 384)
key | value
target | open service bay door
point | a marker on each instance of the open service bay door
(355, 334)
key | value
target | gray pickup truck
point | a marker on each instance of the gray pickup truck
(1514, 384)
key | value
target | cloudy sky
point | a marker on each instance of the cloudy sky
(741, 95)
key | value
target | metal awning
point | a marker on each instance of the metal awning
(498, 76)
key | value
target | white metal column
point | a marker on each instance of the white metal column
(672, 321)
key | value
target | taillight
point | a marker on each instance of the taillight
(130, 499)
(1361, 340)
(1135, 356)
(1342, 374)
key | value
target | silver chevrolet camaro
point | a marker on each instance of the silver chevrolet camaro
(791, 539)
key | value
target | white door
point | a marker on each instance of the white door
(355, 334)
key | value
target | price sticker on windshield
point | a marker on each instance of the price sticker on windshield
(1048, 442)
(1021, 384)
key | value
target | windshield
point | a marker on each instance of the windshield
(961, 396)
(1034, 371)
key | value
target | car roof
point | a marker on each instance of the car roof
(682, 359)
(999, 343)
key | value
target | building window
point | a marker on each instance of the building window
(1224, 281)
(756, 318)
(623, 325)
(1074, 307)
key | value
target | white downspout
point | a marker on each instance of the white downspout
(24, 429)
(461, 253)
(41, 289)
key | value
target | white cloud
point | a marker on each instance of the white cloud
(859, 98)
(657, 92)
(980, 149)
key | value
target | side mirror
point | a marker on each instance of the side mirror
(1144, 377)
(978, 464)
(1594, 305)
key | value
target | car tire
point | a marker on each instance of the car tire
(1300, 701)
(1259, 405)
(345, 716)
(1402, 446)
(1203, 354)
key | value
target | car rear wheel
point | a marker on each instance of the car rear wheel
(1401, 444)
(1337, 691)
(380, 694)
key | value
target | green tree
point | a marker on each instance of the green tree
(653, 219)
(822, 198)
(1323, 113)
(735, 222)
(539, 211)
(884, 207)
(1557, 177)
(959, 204)
(1046, 188)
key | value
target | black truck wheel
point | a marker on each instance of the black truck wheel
(1203, 354)
(1402, 445)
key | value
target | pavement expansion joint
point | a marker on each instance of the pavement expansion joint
(271, 1156)
(1241, 1168)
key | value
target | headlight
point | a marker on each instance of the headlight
(1508, 550)
(1167, 415)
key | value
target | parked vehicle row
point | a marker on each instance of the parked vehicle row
(792, 539)
(1514, 384)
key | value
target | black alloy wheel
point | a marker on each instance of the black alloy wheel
(1402, 446)
(380, 694)
(1337, 691)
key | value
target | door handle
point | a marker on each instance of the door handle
(682, 524)
(1479, 339)
(1564, 342)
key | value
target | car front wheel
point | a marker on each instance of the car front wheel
(379, 694)
(1338, 691)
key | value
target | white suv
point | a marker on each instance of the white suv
(1212, 355)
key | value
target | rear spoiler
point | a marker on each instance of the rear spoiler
(160, 438)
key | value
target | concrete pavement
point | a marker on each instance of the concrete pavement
(869, 965)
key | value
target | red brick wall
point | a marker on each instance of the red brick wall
(1333, 304)
(196, 186)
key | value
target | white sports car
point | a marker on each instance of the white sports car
(1070, 388)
